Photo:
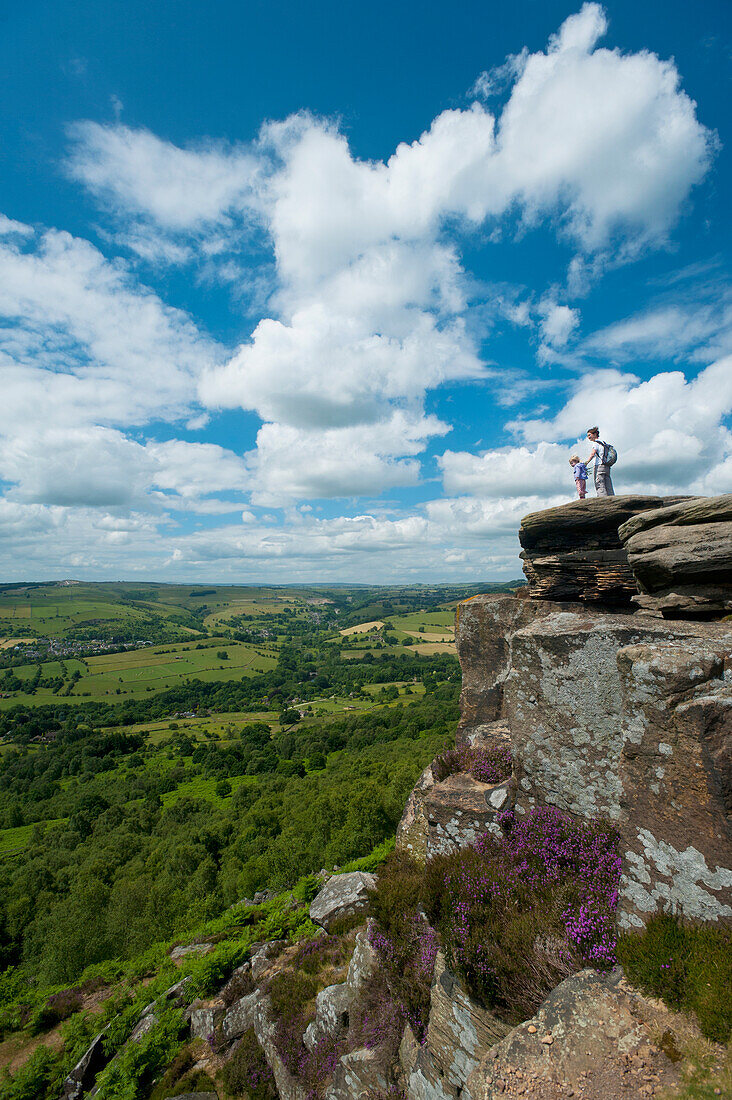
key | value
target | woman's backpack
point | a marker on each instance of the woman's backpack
(610, 455)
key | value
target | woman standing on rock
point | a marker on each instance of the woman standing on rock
(598, 460)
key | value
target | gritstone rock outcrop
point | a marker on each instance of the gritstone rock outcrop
(621, 716)
(681, 558)
(574, 551)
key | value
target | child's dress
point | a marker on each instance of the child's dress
(580, 476)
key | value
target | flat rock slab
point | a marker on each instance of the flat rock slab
(240, 1016)
(574, 552)
(461, 808)
(205, 1018)
(342, 896)
(265, 1029)
(359, 1075)
(179, 953)
(195, 1096)
(590, 524)
(459, 1035)
(590, 1038)
(81, 1077)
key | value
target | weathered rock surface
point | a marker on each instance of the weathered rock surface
(179, 953)
(676, 778)
(484, 626)
(574, 551)
(265, 1029)
(342, 896)
(412, 831)
(590, 1038)
(359, 1075)
(81, 1077)
(459, 1034)
(332, 1006)
(363, 963)
(627, 717)
(240, 1016)
(440, 817)
(681, 557)
(460, 808)
(206, 1017)
(262, 957)
(195, 1096)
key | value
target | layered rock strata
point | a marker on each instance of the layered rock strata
(574, 551)
(681, 557)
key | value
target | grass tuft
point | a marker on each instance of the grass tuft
(688, 965)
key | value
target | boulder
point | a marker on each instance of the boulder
(342, 896)
(240, 1016)
(459, 1034)
(206, 1017)
(460, 808)
(592, 1037)
(332, 1006)
(574, 551)
(681, 557)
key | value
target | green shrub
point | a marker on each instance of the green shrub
(404, 941)
(209, 972)
(132, 1072)
(181, 1078)
(38, 1079)
(374, 859)
(246, 1073)
(689, 965)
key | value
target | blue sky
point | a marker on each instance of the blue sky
(332, 292)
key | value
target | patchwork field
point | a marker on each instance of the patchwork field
(362, 628)
(140, 671)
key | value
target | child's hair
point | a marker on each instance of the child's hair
(573, 459)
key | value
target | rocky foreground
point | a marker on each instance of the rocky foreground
(607, 687)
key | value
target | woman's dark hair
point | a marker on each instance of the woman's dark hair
(595, 431)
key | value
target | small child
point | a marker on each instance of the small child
(580, 476)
